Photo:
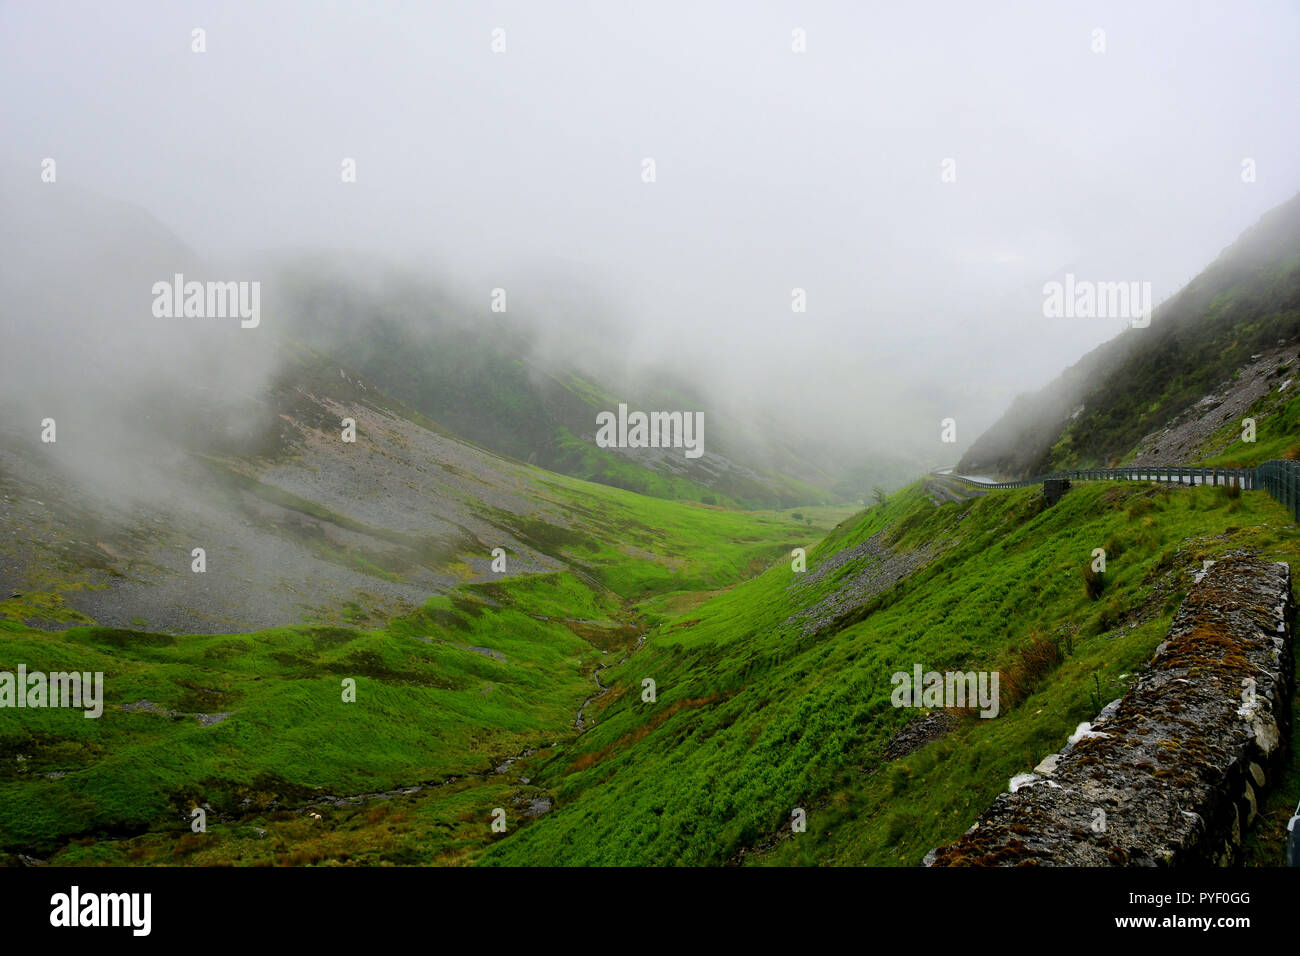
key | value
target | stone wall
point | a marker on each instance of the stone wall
(1171, 773)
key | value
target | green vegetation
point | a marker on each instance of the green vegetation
(1277, 433)
(772, 686)
(755, 717)
(759, 708)
(1246, 303)
(450, 690)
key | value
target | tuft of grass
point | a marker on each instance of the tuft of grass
(1032, 663)
(1094, 582)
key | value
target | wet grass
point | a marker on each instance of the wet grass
(752, 718)
(789, 720)
(428, 704)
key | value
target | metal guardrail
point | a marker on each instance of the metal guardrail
(1281, 479)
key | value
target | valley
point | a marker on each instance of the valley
(441, 620)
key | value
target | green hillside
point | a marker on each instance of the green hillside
(759, 710)
(652, 681)
(1246, 302)
(471, 678)
(755, 717)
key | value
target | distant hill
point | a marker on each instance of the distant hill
(176, 433)
(488, 378)
(1245, 303)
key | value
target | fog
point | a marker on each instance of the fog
(524, 169)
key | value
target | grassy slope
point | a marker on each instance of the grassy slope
(427, 705)
(752, 719)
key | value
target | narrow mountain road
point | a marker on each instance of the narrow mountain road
(943, 489)
(1267, 476)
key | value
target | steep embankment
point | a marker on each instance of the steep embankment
(1173, 773)
(755, 714)
(1200, 343)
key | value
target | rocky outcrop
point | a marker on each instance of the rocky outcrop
(1171, 774)
(872, 568)
(1189, 436)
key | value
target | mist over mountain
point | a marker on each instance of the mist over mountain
(528, 386)
(83, 347)
(775, 171)
(1247, 301)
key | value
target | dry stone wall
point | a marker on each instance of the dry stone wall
(1171, 774)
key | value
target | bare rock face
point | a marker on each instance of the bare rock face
(1171, 774)
(1188, 436)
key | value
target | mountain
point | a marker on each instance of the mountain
(534, 394)
(171, 434)
(1243, 305)
(353, 673)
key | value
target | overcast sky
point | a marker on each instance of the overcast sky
(774, 169)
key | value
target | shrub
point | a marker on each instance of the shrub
(1096, 695)
(1034, 661)
(1140, 507)
(1094, 582)
(1111, 615)
(1032, 508)
(898, 825)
